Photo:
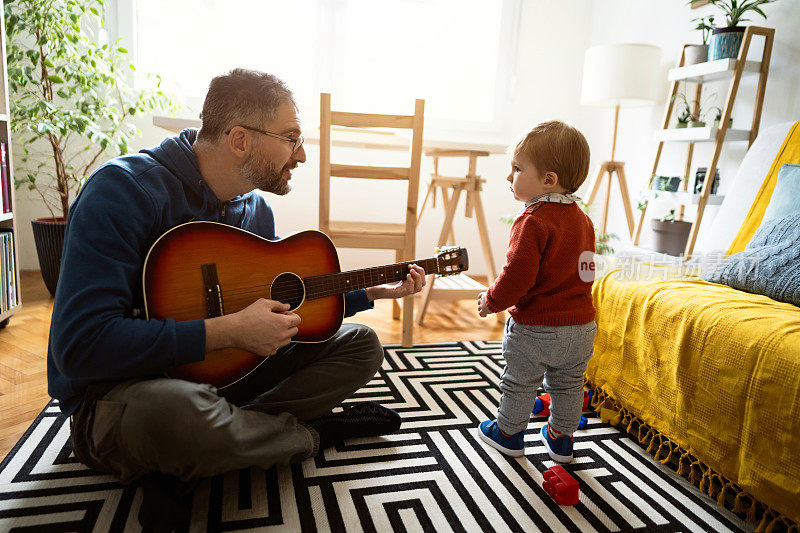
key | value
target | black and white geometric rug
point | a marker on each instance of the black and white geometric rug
(434, 475)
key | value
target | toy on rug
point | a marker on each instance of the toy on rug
(561, 486)
(541, 406)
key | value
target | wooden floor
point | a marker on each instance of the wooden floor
(23, 347)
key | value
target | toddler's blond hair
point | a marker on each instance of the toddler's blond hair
(555, 146)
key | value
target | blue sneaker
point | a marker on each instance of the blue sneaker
(495, 437)
(559, 448)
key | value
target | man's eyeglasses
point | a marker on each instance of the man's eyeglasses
(296, 142)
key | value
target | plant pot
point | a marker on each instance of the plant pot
(695, 53)
(670, 237)
(697, 124)
(725, 43)
(48, 234)
(681, 125)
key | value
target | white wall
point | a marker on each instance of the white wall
(554, 36)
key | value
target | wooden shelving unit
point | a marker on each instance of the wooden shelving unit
(699, 135)
(8, 221)
(710, 71)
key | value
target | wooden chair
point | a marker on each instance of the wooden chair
(400, 237)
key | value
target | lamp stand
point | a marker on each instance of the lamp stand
(609, 168)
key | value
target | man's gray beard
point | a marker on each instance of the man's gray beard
(264, 176)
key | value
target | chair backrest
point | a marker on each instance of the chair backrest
(328, 170)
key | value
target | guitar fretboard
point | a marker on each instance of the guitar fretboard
(341, 282)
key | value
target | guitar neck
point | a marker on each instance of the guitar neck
(341, 282)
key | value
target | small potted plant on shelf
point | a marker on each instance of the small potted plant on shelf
(71, 107)
(692, 112)
(698, 53)
(725, 42)
(683, 116)
(683, 112)
(670, 235)
(718, 117)
(696, 120)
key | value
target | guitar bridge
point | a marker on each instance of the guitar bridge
(213, 292)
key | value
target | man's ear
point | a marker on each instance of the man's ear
(239, 142)
(550, 179)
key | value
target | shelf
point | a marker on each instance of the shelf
(699, 135)
(685, 197)
(6, 216)
(10, 312)
(721, 69)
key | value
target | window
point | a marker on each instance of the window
(370, 54)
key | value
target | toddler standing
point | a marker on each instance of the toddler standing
(550, 332)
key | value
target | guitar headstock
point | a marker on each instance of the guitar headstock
(451, 260)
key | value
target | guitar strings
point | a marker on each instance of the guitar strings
(284, 293)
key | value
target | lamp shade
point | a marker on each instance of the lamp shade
(621, 74)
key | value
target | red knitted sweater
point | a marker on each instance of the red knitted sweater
(541, 276)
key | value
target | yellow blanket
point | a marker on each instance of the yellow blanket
(715, 369)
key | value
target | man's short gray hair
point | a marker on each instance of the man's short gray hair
(241, 97)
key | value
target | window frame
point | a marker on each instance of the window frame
(121, 23)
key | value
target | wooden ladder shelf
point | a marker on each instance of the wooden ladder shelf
(707, 72)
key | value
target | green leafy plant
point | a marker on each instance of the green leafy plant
(704, 26)
(693, 111)
(736, 9)
(71, 98)
(683, 111)
(669, 217)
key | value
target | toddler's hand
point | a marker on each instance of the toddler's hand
(483, 309)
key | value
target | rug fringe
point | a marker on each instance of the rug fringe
(663, 449)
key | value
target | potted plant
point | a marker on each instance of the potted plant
(725, 42)
(71, 107)
(670, 235)
(692, 113)
(718, 117)
(698, 53)
(683, 116)
(683, 112)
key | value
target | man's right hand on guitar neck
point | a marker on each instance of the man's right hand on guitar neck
(260, 328)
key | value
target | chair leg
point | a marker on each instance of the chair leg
(395, 305)
(426, 299)
(408, 321)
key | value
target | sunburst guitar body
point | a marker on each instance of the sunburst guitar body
(205, 269)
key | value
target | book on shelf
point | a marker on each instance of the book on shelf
(5, 178)
(9, 294)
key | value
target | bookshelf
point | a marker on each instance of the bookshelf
(10, 298)
(721, 70)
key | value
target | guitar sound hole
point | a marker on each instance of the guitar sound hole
(288, 288)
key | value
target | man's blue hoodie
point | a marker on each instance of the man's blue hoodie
(97, 331)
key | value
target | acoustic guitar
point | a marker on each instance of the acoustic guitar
(206, 269)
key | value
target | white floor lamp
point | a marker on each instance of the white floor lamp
(618, 75)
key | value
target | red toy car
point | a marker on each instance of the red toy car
(561, 486)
